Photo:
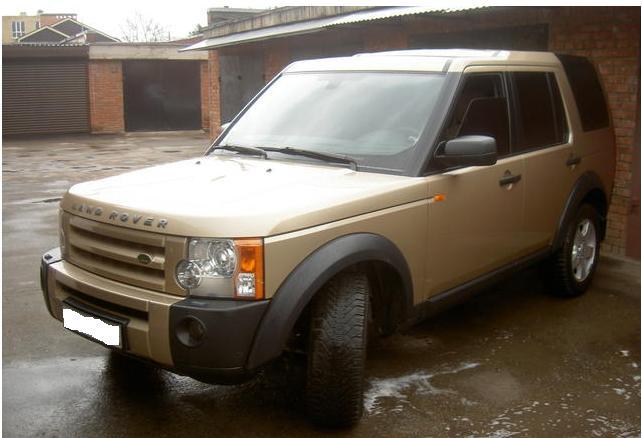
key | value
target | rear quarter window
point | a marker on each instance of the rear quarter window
(539, 118)
(587, 91)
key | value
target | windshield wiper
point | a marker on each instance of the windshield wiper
(324, 156)
(247, 150)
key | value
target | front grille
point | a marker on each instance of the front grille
(104, 305)
(113, 252)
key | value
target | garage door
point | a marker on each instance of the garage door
(241, 78)
(162, 95)
(44, 97)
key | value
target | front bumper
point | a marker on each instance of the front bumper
(158, 323)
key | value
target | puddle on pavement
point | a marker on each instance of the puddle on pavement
(393, 393)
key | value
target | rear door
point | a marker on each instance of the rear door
(541, 138)
(477, 227)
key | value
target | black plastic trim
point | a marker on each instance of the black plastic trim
(509, 179)
(50, 257)
(229, 329)
(586, 183)
(309, 276)
(465, 291)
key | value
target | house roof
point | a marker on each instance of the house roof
(65, 30)
(40, 35)
(315, 25)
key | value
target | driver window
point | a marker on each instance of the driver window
(480, 90)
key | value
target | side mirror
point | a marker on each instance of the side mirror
(468, 150)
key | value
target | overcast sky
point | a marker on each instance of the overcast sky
(179, 17)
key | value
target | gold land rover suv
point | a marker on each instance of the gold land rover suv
(349, 197)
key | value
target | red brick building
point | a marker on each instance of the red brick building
(245, 54)
(103, 88)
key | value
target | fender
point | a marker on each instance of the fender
(583, 186)
(309, 276)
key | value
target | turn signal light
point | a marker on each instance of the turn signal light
(249, 280)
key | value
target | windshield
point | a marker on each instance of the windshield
(374, 118)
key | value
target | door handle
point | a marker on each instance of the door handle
(508, 178)
(573, 161)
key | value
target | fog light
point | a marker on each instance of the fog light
(190, 331)
(195, 329)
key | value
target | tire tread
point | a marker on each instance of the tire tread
(334, 387)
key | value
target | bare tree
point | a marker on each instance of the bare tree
(140, 29)
(198, 29)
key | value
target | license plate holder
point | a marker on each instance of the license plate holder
(93, 324)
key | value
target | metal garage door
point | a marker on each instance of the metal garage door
(44, 97)
(162, 95)
(241, 78)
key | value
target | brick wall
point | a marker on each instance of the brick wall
(214, 94)
(106, 106)
(376, 40)
(610, 37)
(276, 58)
(205, 95)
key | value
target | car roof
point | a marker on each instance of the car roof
(434, 60)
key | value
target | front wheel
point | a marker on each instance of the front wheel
(337, 351)
(574, 264)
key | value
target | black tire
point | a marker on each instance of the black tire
(564, 282)
(337, 351)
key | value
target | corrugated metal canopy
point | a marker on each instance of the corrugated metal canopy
(382, 14)
(302, 27)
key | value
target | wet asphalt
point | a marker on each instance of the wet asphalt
(514, 361)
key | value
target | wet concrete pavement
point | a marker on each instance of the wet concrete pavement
(512, 362)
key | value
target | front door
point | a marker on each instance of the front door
(475, 226)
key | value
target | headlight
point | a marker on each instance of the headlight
(223, 268)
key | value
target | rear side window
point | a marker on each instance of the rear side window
(539, 114)
(587, 91)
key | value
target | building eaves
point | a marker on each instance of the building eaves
(289, 28)
(382, 14)
(44, 50)
(233, 10)
(280, 16)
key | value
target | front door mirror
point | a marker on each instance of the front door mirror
(467, 150)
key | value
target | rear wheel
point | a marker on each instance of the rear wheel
(337, 351)
(574, 264)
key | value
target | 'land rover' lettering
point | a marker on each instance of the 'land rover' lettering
(88, 209)
(120, 216)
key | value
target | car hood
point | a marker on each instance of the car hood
(231, 196)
